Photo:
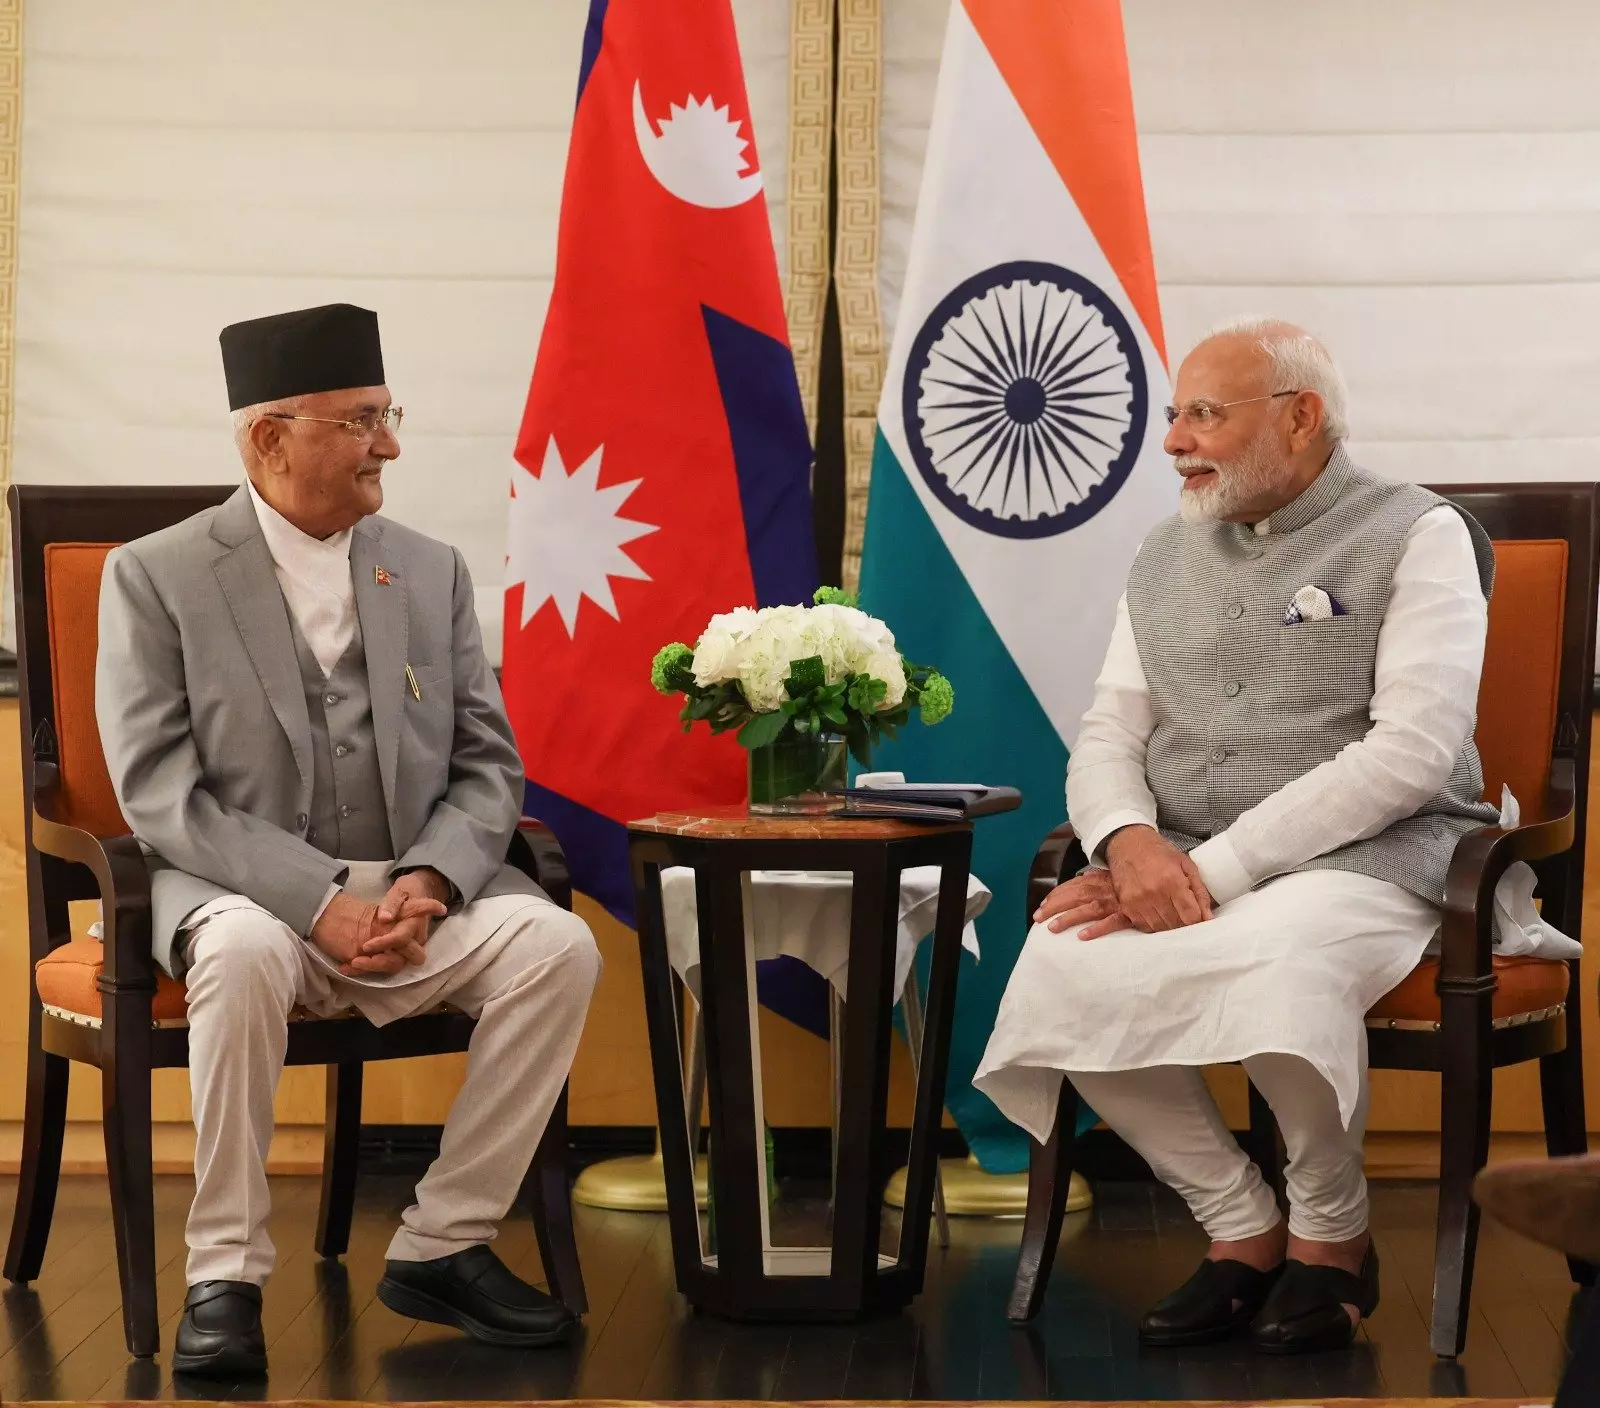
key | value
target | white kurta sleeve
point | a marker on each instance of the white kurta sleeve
(1106, 787)
(1425, 693)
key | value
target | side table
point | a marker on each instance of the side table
(746, 1277)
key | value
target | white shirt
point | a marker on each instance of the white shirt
(1425, 694)
(314, 574)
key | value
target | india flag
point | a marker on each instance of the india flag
(1018, 460)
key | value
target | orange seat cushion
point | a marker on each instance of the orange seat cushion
(72, 573)
(1517, 697)
(67, 979)
(1526, 985)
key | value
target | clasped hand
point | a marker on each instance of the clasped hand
(364, 938)
(1150, 886)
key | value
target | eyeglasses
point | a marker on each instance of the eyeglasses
(366, 424)
(1207, 415)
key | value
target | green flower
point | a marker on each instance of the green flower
(833, 596)
(670, 672)
(937, 699)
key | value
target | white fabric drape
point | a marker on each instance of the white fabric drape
(187, 165)
(1418, 182)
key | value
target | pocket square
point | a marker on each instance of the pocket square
(1311, 604)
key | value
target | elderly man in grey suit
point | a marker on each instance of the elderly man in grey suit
(305, 736)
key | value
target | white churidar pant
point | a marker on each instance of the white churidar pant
(1287, 970)
(527, 974)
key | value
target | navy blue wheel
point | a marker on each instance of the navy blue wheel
(1025, 399)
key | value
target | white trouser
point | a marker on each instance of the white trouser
(248, 971)
(1167, 1115)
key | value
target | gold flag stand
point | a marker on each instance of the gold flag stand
(970, 1192)
(636, 1183)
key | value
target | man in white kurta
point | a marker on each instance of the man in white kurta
(1269, 785)
(305, 736)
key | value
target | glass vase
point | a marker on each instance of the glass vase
(791, 776)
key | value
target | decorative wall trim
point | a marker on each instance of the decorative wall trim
(810, 131)
(855, 256)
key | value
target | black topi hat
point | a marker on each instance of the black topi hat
(330, 348)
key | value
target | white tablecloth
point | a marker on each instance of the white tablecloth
(806, 914)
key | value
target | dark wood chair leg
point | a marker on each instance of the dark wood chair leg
(1049, 1177)
(1266, 1144)
(550, 1196)
(1466, 1085)
(44, 1125)
(125, 1096)
(341, 1149)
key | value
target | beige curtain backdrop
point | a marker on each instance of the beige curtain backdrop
(1419, 182)
(192, 164)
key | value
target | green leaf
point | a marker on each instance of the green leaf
(806, 675)
(762, 729)
(860, 746)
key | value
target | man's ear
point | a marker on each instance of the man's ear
(1308, 414)
(267, 440)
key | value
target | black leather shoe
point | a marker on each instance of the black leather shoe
(474, 1291)
(1219, 1300)
(220, 1333)
(1306, 1310)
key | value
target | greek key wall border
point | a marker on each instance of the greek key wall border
(855, 256)
(810, 129)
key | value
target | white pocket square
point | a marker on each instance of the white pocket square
(1311, 604)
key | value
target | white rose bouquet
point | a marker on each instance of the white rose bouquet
(801, 671)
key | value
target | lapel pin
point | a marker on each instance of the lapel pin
(381, 576)
(411, 680)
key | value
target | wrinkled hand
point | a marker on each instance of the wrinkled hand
(405, 915)
(1081, 900)
(1157, 886)
(343, 931)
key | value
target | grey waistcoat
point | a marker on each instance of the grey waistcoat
(1245, 704)
(349, 818)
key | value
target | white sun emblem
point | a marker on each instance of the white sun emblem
(698, 154)
(566, 537)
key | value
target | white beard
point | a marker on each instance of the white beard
(1248, 477)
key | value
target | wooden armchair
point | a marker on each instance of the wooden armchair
(1466, 1012)
(108, 1004)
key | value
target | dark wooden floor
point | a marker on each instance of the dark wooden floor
(329, 1338)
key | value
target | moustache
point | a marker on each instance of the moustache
(1194, 464)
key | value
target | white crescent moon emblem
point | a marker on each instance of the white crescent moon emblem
(698, 155)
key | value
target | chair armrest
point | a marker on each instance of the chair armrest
(123, 875)
(1481, 858)
(1059, 857)
(535, 851)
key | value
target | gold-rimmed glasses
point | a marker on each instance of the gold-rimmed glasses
(1207, 415)
(366, 424)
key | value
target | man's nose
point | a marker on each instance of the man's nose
(1180, 439)
(386, 444)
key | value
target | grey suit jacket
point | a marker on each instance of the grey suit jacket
(203, 718)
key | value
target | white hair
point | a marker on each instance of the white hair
(246, 416)
(1299, 363)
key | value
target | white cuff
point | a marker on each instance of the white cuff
(1096, 838)
(1221, 869)
(327, 899)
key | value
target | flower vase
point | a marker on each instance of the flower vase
(791, 776)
